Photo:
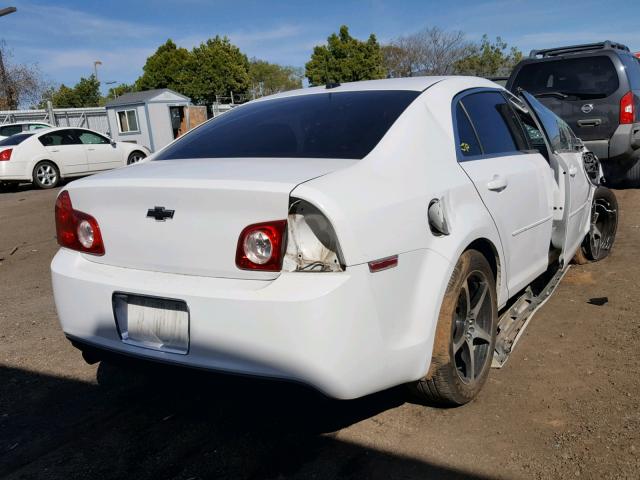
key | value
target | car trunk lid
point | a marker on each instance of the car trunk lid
(212, 201)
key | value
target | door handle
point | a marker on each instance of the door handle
(592, 122)
(55, 150)
(497, 183)
(573, 170)
(91, 149)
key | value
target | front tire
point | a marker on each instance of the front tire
(597, 244)
(46, 175)
(135, 157)
(465, 335)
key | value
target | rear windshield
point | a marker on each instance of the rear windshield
(587, 77)
(15, 139)
(324, 125)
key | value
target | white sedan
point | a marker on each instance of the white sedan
(353, 237)
(45, 157)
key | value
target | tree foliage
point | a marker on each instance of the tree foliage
(118, 90)
(345, 59)
(166, 68)
(21, 85)
(430, 51)
(85, 93)
(215, 67)
(269, 78)
(488, 59)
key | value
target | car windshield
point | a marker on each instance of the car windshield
(587, 77)
(324, 125)
(15, 139)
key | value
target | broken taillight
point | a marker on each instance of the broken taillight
(77, 230)
(312, 243)
(627, 109)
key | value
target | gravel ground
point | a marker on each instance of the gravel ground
(565, 406)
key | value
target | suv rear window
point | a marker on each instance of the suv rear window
(586, 77)
(323, 125)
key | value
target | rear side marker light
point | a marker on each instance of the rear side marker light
(261, 246)
(383, 264)
(627, 109)
(6, 155)
(77, 230)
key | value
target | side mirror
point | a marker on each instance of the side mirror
(113, 143)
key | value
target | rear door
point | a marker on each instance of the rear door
(513, 182)
(65, 149)
(101, 154)
(584, 91)
(578, 197)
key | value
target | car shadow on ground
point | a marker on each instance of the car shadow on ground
(146, 422)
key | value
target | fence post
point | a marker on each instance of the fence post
(52, 115)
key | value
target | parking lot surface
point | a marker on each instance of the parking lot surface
(566, 405)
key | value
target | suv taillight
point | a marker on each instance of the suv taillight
(261, 246)
(627, 109)
(6, 155)
(77, 230)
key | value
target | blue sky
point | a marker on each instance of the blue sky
(65, 37)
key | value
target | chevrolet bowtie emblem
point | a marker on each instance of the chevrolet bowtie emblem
(160, 213)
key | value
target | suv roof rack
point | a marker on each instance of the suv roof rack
(552, 52)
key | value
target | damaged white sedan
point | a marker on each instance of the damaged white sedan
(353, 237)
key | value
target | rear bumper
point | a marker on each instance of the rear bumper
(12, 170)
(346, 334)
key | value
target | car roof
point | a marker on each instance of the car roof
(416, 84)
(28, 122)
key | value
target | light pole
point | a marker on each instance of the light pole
(7, 11)
(113, 82)
(95, 68)
(8, 90)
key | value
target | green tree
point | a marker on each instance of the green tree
(85, 93)
(118, 90)
(166, 68)
(216, 67)
(269, 78)
(488, 59)
(345, 59)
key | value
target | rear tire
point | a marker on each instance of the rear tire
(598, 243)
(465, 335)
(135, 157)
(46, 175)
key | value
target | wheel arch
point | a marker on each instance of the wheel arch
(490, 252)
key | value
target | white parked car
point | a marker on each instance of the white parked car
(352, 238)
(45, 157)
(9, 129)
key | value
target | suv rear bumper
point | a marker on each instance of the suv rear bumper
(621, 151)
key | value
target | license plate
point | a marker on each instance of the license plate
(151, 322)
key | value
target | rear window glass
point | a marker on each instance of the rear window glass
(587, 77)
(324, 125)
(15, 139)
(492, 117)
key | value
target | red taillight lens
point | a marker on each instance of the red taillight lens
(627, 109)
(77, 230)
(6, 155)
(261, 246)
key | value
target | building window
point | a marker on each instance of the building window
(128, 121)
